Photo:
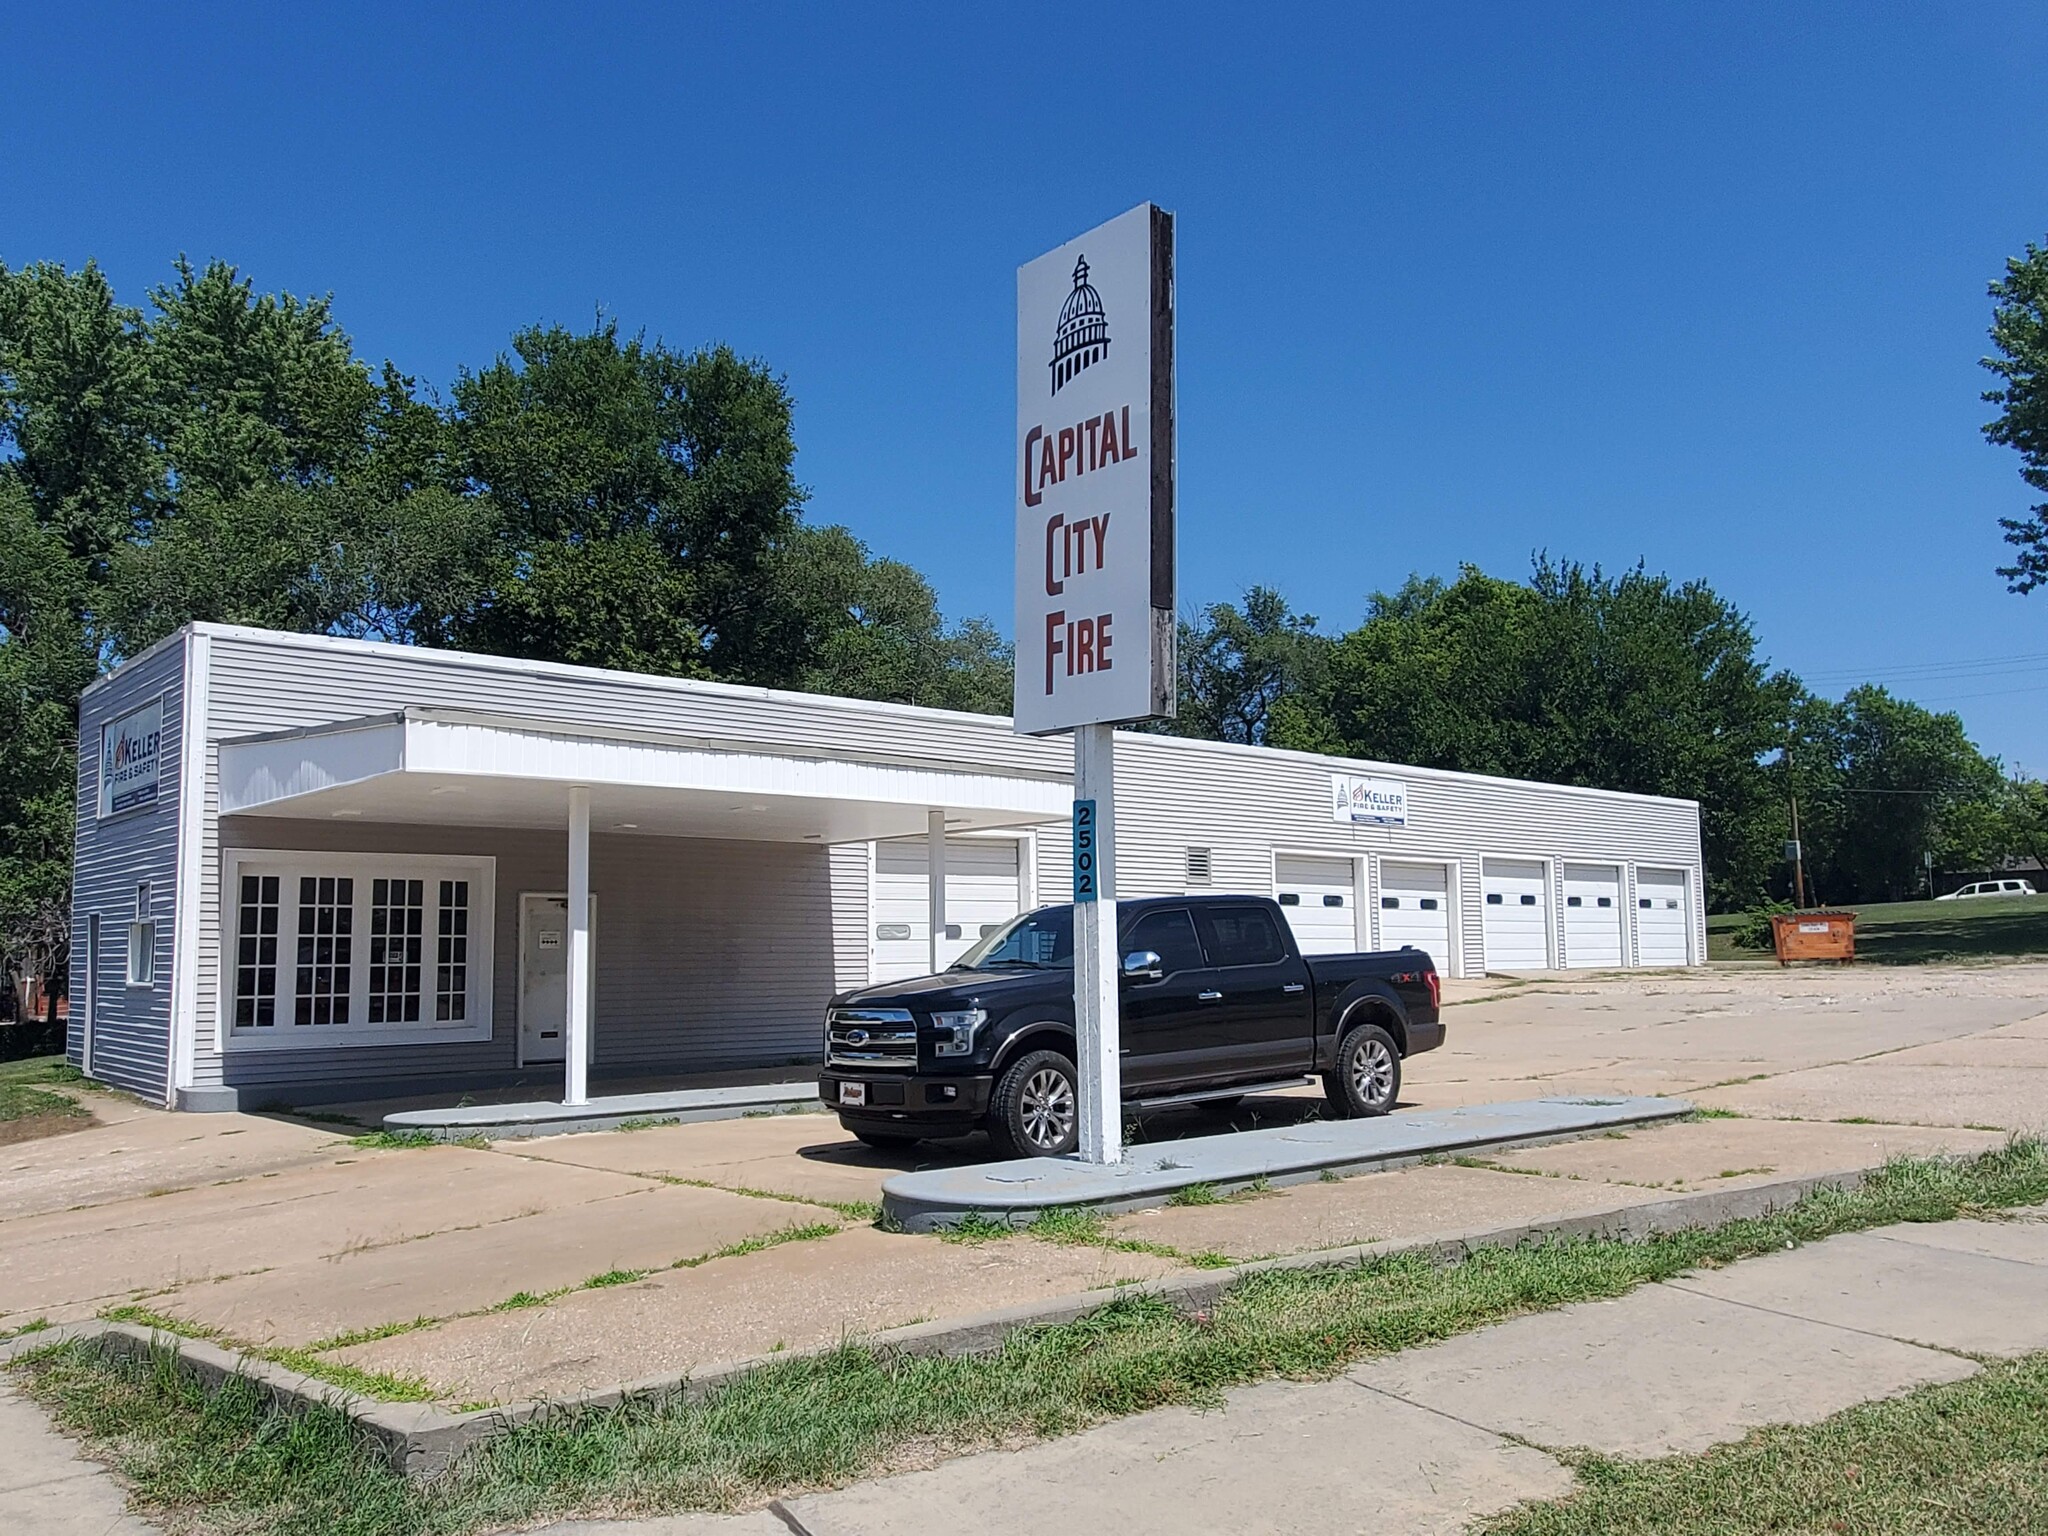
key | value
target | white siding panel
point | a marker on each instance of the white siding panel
(981, 891)
(132, 1032)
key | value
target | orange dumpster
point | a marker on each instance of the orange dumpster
(1814, 936)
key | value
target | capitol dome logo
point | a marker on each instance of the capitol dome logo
(1083, 335)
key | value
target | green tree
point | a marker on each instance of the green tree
(1245, 671)
(2019, 330)
(601, 457)
(1888, 783)
(1634, 682)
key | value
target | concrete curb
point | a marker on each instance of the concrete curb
(1017, 1193)
(509, 1122)
(422, 1439)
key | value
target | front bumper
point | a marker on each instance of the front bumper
(933, 1104)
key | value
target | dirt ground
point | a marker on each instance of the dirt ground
(578, 1262)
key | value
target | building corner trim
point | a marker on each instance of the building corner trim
(191, 831)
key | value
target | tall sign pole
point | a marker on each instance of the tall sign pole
(1096, 569)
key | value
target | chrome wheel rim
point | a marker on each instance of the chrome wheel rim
(1047, 1108)
(1372, 1072)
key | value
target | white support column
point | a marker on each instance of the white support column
(1097, 967)
(935, 881)
(576, 1042)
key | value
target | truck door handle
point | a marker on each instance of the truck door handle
(1208, 997)
(1292, 986)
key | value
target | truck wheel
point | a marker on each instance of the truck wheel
(1036, 1110)
(1367, 1077)
(885, 1141)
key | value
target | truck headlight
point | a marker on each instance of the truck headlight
(953, 1033)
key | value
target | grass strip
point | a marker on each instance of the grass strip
(1962, 1458)
(820, 1421)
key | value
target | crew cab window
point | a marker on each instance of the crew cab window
(1171, 936)
(1039, 941)
(1241, 936)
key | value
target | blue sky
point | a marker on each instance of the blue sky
(1698, 286)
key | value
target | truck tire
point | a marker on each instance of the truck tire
(1366, 1079)
(1036, 1108)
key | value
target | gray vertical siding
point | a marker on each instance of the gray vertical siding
(132, 1025)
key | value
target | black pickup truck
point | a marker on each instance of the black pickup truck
(1217, 1002)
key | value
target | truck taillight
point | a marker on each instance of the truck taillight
(1436, 988)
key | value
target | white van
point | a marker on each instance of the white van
(1990, 888)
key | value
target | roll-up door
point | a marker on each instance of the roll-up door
(1316, 895)
(981, 893)
(1515, 916)
(1663, 917)
(1415, 909)
(1592, 916)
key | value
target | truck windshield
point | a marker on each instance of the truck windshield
(1038, 941)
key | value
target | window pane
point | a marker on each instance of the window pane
(326, 950)
(451, 950)
(256, 953)
(1169, 935)
(1241, 936)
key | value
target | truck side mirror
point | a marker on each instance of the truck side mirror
(1143, 964)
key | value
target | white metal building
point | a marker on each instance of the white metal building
(314, 868)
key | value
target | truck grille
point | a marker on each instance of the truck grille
(871, 1037)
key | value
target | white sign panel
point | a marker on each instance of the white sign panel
(1373, 802)
(129, 753)
(1095, 478)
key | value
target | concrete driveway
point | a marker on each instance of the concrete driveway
(577, 1262)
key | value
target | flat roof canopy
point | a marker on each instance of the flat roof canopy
(458, 767)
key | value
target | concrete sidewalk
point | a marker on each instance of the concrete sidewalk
(1434, 1438)
(1423, 1441)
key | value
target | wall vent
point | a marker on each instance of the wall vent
(1198, 867)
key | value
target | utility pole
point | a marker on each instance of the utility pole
(1798, 859)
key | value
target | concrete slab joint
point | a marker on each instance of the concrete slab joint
(423, 1439)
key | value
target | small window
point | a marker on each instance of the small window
(1333, 901)
(888, 931)
(451, 952)
(1672, 905)
(1390, 903)
(256, 954)
(1574, 901)
(989, 928)
(1528, 901)
(142, 954)
(1428, 903)
(1198, 866)
(1241, 936)
(952, 930)
(1644, 902)
(1493, 899)
(1290, 898)
(145, 901)
(321, 992)
(1606, 901)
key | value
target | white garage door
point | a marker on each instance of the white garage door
(1316, 895)
(1415, 909)
(1663, 917)
(1592, 916)
(1515, 915)
(981, 893)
